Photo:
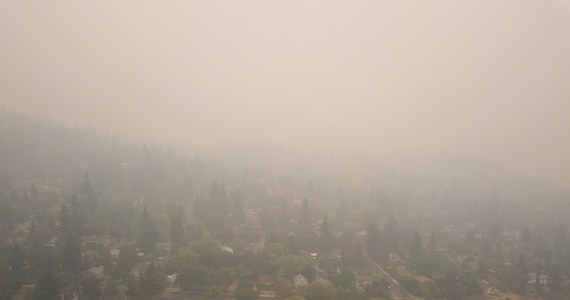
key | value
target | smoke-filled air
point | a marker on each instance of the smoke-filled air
(288, 150)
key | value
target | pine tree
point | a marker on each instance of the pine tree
(342, 211)
(432, 241)
(5, 291)
(285, 214)
(377, 248)
(91, 287)
(16, 268)
(416, 248)
(127, 258)
(34, 194)
(538, 271)
(292, 245)
(152, 282)
(214, 190)
(77, 215)
(71, 245)
(36, 251)
(199, 208)
(561, 238)
(393, 234)
(177, 235)
(47, 286)
(218, 191)
(238, 215)
(306, 213)
(326, 236)
(132, 286)
(149, 236)
(526, 237)
(89, 193)
(523, 270)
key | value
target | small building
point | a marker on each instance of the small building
(265, 282)
(266, 294)
(335, 255)
(90, 254)
(51, 242)
(228, 249)
(163, 248)
(362, 235)
(362, 281)
(172, 279)
(98, 272)
(300, 281)
(423, 279)
(395, 259)
(543, 284)
(95, 242)
(138, 268)
(114, 254)
(173, 294)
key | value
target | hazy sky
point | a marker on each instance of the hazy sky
(489, 79)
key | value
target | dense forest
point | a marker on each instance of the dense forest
(98, 216)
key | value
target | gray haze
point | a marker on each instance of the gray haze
(489, 79)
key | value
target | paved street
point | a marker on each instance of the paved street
(398, 292)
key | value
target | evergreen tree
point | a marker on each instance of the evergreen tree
(70, 243)
(342, 211)
(526, 238)
(127, 258)
(306, 213)
(91, 287)
(393, 234)
(326, 240)
(561, 238)
(89, 193)
(77, 215)
(246, 294)
(177, 235)
(149, 236)
(34, 194)
(285, 213)
(199, 208)
(16, 268)
(432, 241)
(352, 255)
(538, 271)
(470, 238)
(218, 192)
(320, 291)
(214, 190)
(523, 270)
(191, 273)
(5, 291)
(416, 248)
(47, 286)
(292, 245)
(35, 243)
(132, 290)
(151, 282)
(238, 215)
(377, 248)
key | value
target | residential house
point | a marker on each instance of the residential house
(98, 272)
(300, 281)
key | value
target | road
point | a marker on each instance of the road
(398, 291)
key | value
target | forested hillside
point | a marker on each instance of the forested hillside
(92, 214)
